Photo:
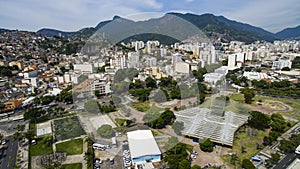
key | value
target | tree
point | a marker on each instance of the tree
(278, 123)
(233, 159)
(17, 136)
(247, 164)
(184, 164)
(248, 95)
(259, 120)
(206, 146)
(150, 82)
(287, 146)
(178, 127)
(286, 69)
(1, 136)
(20, 128)
(275, 158)
(97, 93)
(196, 167)
(155, 120)
(106, 131)
(29, 134)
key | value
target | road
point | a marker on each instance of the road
(284, 163)
(9, 158)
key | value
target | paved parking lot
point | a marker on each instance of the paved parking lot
(118, 163)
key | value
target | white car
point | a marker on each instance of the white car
(3, 142)
(193, 156)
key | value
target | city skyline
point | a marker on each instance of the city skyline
(33, 15)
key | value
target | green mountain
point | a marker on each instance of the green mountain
(170, 26)
(289, 33)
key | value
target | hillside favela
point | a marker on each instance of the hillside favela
(183, 84)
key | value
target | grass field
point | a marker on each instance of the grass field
(71, 147)
(72, 166)
(242, 139)
(141, 106)
(231, 105)
(68, 128)
(40, 148)
(295, 104)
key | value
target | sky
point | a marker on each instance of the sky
(72, 15)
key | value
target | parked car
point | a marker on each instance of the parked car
(3, 142)
(194, 152)
(98, 161)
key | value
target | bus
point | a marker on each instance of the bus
(100, 146)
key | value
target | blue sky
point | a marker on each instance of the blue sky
(69, 15)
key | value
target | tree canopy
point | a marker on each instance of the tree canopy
(106, 131)
(259, 120)
(206, 146)
(247, 164)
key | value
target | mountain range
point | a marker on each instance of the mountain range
(209, 24)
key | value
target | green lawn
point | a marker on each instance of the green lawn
(72, 166)
(241, 138)
(232, 105)
(71, 147)
(40, 148)
(141, 106)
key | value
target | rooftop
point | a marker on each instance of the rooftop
(203, 123)
(142, 143)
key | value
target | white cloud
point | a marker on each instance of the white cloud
(67, 14)
(273, 15)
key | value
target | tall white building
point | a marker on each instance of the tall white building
(163, 52)
(151, 46)
(236, 60)
(133, 59)
(118, 62)
(213, 55)
(138, 45)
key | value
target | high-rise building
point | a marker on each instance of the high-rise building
(133, 60)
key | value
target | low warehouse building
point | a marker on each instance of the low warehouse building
(143, 147)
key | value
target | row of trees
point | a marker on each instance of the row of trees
(263, 121)
(159, 121)
(289, 146)
(38, 115)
